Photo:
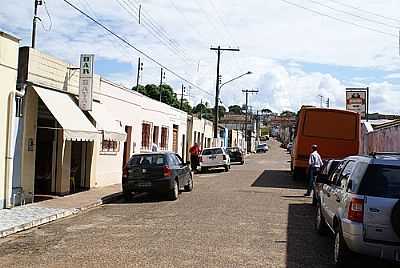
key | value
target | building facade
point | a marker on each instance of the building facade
(8, 108)
(66, 150)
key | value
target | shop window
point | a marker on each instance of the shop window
(146, 136)
(155, 134)
(164, 138)
(110, 146)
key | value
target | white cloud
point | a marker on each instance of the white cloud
(267, 32)
(393, 76)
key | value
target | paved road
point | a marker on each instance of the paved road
(252, 216)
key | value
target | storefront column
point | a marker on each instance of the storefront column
(28, 150)
(63, 166)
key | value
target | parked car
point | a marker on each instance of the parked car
(163, 172)
(360, 204)
(326, 171)
(214, 158)
(262, 148)
(236, 154)
(289, 147)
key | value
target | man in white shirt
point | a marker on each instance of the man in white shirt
(315, 164)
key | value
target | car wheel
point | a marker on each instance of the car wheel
(189, 185)
(174, 192)
(127, 194)
(226, 168)
(320, 224)
(242, 163)
(342, 253)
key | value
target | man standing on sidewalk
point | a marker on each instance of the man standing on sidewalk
(194, 156)
(315, 163)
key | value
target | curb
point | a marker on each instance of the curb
(35, 223)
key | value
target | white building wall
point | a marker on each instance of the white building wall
(132, 109)
(8, 77)
(126, 106)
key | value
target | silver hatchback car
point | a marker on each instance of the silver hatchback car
(360, 205)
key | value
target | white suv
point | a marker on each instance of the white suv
(360, 204)
(214, 158)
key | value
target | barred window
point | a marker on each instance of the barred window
(146, 136)
(109, 146)
(164, 138)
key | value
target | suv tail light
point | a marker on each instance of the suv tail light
(224, 156)
(200, 159)
(125, 172)
(167, 171)
(356, 210)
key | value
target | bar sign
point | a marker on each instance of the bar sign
(86, 82)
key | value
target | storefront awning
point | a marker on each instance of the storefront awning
(111, 129)
(75, 124)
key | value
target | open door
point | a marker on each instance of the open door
(127, 145)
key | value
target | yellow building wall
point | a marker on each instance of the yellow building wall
(8, 78)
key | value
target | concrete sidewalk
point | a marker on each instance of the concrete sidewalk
(25, 217)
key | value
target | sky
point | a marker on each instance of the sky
(297, 50)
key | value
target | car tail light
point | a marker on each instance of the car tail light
(125, 172)
(167, 171)
(200, 159)
(356, 210)
(224, 156)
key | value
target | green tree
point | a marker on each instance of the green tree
(288, 113)
(168, 95)
(266, 111)
(236, 109)
(221, 111)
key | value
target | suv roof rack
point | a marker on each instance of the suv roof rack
(375, 154)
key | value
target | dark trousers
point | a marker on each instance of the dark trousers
(312, 175)
(194, 162)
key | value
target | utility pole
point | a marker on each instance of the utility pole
(218, 49)
(35, 17)
(139, 69)
(321, 100)
(247, 91)
(183, 90)
(162, 76)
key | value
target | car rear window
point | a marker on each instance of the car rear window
(148, 160)
(233, 150)
(381, 181)
(212, 151)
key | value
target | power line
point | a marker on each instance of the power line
(354, 15)
(135, 48)
(157, 27)
(154, 31)
(338, 19)
(365, 11)
(192, 26)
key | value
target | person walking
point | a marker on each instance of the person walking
(315, 163)
(194, 156)
(154, 147)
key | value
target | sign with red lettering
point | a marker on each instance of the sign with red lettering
(356, 100)
(86, 82)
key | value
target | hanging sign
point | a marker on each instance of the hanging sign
(356, 100)
(86, 82)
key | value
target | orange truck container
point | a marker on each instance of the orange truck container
(336, 132)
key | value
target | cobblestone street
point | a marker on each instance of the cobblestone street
(252, 216)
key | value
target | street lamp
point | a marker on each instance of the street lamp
(217, 98)
(237, 77)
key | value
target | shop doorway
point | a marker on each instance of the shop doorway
(45, 150)
(127, 145)
(79, 177)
